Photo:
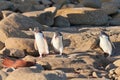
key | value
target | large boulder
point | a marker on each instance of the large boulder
(2, 45)
(7, 30)
(115, 20)
(20, 22)
(20, 43)
(6, 13)
(3, 75)
(92, 3)
(60, 21)
(6, 5)
(33, 2)
(43, 17)
(14, 53)
(84, 16)
(117, 63)
(34, 74)
(109, 8)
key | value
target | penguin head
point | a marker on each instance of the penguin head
(103, 35)
(56, 34)
(37, 30)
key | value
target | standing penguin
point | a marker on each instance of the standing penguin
(57, 42)
(40, 42)
(105, 43)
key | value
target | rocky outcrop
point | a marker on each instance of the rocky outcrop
(20, 22)
(32, 74)
(84, 16)
(21, 44)
(92, 3)
(43, 17)
(109, 8)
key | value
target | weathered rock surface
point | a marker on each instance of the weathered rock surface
(117, 63)
(6, 13)
(92, 3)
(6, 5)
(2, 45)
(60, 21)
(14, 53)
(21, 44)
(116, 20)
(7, 30)
(3, 75)
(84, 16)
(20, 22)
(32, 74)
(109, 7)
(43, 17)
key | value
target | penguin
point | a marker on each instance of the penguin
(40, 42)
(105, 44)
(57, 42)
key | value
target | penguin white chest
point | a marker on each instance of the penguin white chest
(57, 43)
(106, 45)
(40, 42)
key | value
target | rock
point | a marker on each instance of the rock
(2, 45)
(28, 74)
(94, 74)
(32, 74)
(6, 5)
(115, 21)
(109, 67)
(84, 16)
(58, 2)
(7, 30)
(51, 9)
(43, 17)
(39, 7)
(37, 67)
(3, 75)
(92, 3)
(72, 75)
(112, 71)
(20, 22)
(105, 1)
(119, 78)
(14, 53)
(117, 63)
(23, 7)
(117, 71)
(20, 44)
(6, 13)
(8, 70)
(117, 2)
(29, 58)
(72, 5)
(33, 2)
(45, 65)
(109, 8)
(60, 21)
(54, 75)
(1, 15)
(46, 2)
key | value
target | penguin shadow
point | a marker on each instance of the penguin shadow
(66, 42)
(116, 50)
(100, 62)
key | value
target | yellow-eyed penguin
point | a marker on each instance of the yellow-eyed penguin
(57, 42)
(40, 42)
(105, 44)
